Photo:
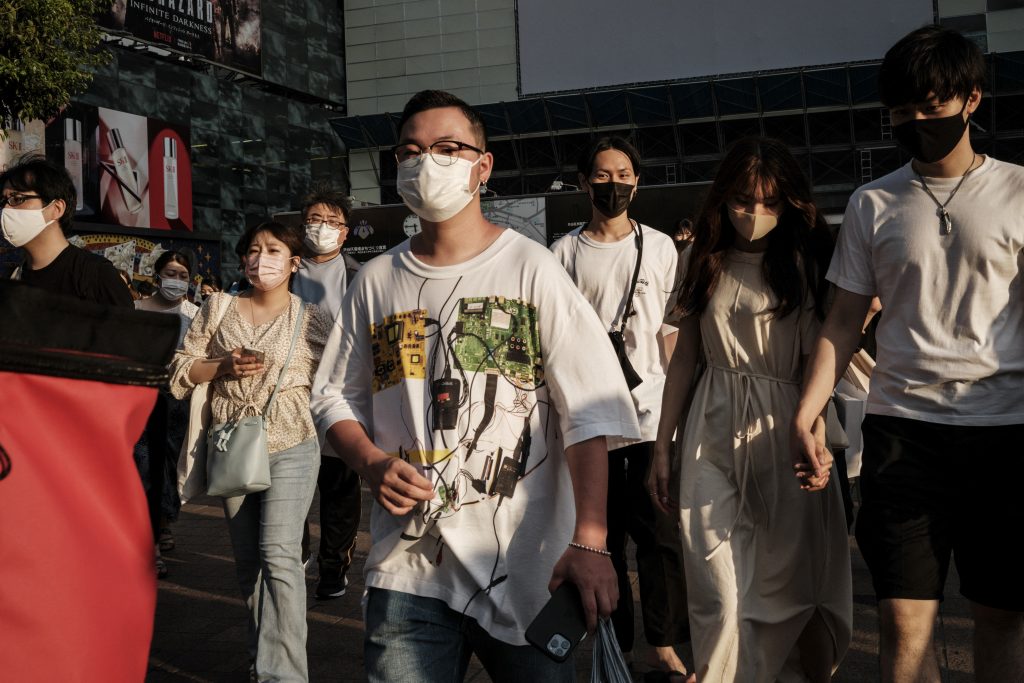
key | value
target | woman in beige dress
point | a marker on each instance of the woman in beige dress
(765, 542)
(240, 345)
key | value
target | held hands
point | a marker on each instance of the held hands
(812, 461)
(658, 480)
(397, 485)
(238, 366)
(594, 576)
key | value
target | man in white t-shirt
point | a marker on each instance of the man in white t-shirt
(627, 272)
(322, 278)
(472, 387)
(941, 243)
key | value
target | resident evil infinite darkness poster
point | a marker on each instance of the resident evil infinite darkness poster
(223, 31)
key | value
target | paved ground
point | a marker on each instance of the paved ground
(200, 620)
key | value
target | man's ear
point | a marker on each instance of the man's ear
(973, 100)
(60, 206)
(485, 167)
(584, 184)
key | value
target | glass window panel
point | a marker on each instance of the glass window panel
(826, 87)
(788, 129)
(780, 91)
(699, 138)
(650, 105)
(734, 129)
(736, 96)
(864, 83)
(527, 116)
(608, 108)
(829, 127)
(494, 119)
(567, 112)
(692, 100)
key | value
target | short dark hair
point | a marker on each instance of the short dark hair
(51, 181)
(321, 194)
(290, 236)
(585, 164)
(932, 60)
(168, 257)
(425, 100)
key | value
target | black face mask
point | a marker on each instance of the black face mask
(612, 199)
(929, 140)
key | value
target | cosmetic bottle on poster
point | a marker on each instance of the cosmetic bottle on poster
(125, 172)
(73, 157)
(12, 144)
(170, 178)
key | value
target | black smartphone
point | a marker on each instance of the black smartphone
(561, 625)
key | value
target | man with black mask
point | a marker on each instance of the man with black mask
(941, 243)
(627, 272)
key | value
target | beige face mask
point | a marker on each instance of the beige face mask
(752, 226)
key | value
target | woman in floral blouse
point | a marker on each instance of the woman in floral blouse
(265, 527)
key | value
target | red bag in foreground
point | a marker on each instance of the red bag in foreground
(77, 579)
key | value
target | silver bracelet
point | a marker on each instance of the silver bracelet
(573, 544)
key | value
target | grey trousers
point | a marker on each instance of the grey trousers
(266, 534)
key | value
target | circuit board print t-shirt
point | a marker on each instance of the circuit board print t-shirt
(480, 375)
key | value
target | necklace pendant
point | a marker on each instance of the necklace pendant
(947, 223)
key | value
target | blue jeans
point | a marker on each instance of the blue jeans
(412, 639)
(266, 534)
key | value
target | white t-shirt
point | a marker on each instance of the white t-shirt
(951, 335)
(324, 283)
(185, 310)
(522, 363)
(603, 272)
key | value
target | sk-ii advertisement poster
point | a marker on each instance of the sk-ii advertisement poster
(128, 170)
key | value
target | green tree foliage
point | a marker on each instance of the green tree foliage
(48, 49)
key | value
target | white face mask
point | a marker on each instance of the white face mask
(21, 226)
(433, 192)
(322, 238)
(752, 226)
(267, 271)
(172, 290)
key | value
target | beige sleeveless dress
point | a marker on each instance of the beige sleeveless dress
(761, 555)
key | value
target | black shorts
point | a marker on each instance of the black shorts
(929, 490)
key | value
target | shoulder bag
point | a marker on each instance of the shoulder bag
(237, 458)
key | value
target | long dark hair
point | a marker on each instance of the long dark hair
(799, 248)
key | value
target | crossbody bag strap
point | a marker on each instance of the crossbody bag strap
(288, 359)
(628, 310)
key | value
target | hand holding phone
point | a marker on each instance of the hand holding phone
(561, 625)
(257, 355)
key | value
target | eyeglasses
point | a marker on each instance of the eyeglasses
(443, 152)
(333, 222)
(16, 200)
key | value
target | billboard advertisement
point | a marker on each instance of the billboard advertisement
(128, 170)
(227, 32)
(663, 41)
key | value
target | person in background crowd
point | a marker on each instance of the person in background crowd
(265, 527)
(483, 505)
(767, 560)
(683, 235)
(211, 283)
(627, 272)
(941, 243)
(156, 453)
(323, 276)
(36, 213)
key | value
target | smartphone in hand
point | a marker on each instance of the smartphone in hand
(561, 625)
(258, 355)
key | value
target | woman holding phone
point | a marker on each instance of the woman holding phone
(240, 345)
